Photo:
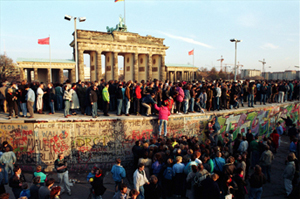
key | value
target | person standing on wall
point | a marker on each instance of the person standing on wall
(62, 172)
(93, 100)
(30, 99)
(39, 103)
(105, 97)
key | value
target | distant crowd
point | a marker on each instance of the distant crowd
(134, 98)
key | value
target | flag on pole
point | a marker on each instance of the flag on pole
(191, 52)
(118, 0)
(45, 41)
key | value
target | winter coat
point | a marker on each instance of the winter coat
(118, 173)
(266, 158)
(163, 112)
(74, 99)
(180, 95)
(289, 170)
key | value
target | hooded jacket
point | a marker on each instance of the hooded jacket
(163, 112)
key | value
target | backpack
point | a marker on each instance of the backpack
(168, 173)
(24, 193)
(198, 179)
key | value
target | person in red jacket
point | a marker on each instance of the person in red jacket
(138, 96)
(275, 139)
(163, 115)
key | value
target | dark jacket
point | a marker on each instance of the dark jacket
(97, 185)
(148, 99)
(229, 169)
(93, 96)
(34, 191)
(153, 191)
(59, 163)
(211, 189)
(14, 181)
(257, 180)
(119, 94)
(10, 100)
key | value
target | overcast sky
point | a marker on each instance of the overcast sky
(268, 29)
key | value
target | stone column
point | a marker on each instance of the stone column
(99, 66)
(175, 76)
(149, 67)
(191, 76)
(162, 69)
(136, 67)
(80, 67)
(115, 68)
(73, 76)
(48, 75)
(22, 74)
(61, 75)
(29, 75)
(36, 78)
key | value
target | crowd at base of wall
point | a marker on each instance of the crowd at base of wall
(97, 143)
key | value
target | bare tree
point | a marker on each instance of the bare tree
(8, 70)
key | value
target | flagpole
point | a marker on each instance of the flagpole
(50, 59)
(193, 56)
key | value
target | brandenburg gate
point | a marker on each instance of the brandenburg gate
(144, 56)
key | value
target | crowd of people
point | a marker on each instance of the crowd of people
(188, 168)
(185, 167)
(137, 98)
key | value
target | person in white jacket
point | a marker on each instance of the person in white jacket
(139, 179)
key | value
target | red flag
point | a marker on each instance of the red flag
(44, 41)
(191, 52)
(118, 0)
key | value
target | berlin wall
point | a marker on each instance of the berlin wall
(91, 143)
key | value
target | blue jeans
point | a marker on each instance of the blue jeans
(192, 104)
(263, 98)
(266, 170)
(124, 106)
(51, 104)
(142, 193)
(255, 193)
(235, 105)
(119, 106)
(250, 99)
(217, 101)
(185, 106)
(285, 97)
(63, 179)
(59, 102)
(88, 109)
(165, 123)
(94, 109)
(127, 105)
(242, 100)
(67, 108)
(7, 167)
(291, 95)
(24, 108)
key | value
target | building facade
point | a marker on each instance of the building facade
(144, 56)
(43, 71)
(248, 73)
(181, 72)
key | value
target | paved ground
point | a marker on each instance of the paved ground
(273, 190)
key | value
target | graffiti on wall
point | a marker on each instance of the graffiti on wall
(98, 143)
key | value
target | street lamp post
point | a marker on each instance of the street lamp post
(235, 41)
(81, 19)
